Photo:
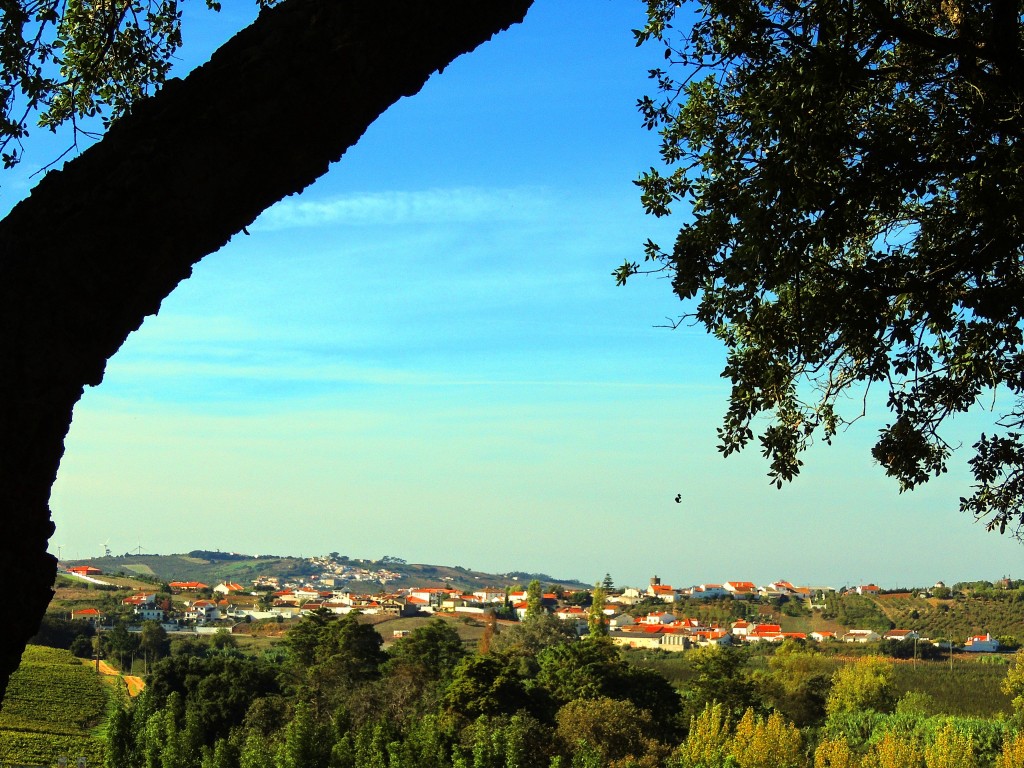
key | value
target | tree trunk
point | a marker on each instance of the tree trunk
(98, 245)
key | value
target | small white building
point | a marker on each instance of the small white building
(901, 634)
(981, 644)
(861, 636)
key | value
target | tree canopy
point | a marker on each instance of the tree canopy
(62, 61)
(852, 173)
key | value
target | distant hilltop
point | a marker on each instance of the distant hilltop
(334, 569)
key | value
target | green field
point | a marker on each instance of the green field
(970, 689)
(55, 707)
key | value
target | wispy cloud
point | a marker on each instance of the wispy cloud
(431, 206)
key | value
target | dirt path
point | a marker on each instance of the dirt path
(134, 684)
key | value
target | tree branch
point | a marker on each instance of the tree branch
(188, 169)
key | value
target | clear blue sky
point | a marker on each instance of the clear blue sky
(425, 356)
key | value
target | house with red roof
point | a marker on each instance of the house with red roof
(981, 644)
(139, 599)
(663, 592)
(92, 615)
(765, 633)
(741, 627)
(740, 590)
(85, 570)
(187, 586)
(713, 637)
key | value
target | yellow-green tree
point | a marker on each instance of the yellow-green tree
(707, 744)
(835, 753)
(868, 683)
(1012, 755)
(766, 743)
(1013, 683)
(894, 752)
(951, 749)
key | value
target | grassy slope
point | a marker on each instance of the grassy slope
(55, 707)
(958, 618)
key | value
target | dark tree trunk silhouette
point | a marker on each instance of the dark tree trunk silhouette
(98, 245)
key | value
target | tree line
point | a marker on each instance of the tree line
(534, 696)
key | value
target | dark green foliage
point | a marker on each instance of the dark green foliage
(82, 647)
(593, 669)
(906, 649)
(153, 642)
(851, 171)
(580, 702)
(119, 645)
(217, 690)
(519, 741)
(433, 649)
(532, 635)
(486, 685)
(56, 632)
(718, 675)
(323, 644)
(797, 683)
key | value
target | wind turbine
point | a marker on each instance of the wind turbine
(106, 548)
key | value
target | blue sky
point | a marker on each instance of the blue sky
(425, 356)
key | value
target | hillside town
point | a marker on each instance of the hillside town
(193, 606)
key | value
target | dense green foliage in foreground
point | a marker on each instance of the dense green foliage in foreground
(535, 696)
(54, 707)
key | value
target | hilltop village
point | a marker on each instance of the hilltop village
(657, 616)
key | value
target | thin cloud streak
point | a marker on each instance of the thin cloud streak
(430, 206)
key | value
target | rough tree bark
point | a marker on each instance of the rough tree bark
(98, 245)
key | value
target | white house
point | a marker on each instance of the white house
(861, 636)
(901, 634)
(740, 590)
(981, 644)
(150, 613)
(657, 618)
(741, 628)
(202, 611)
(708, 592)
